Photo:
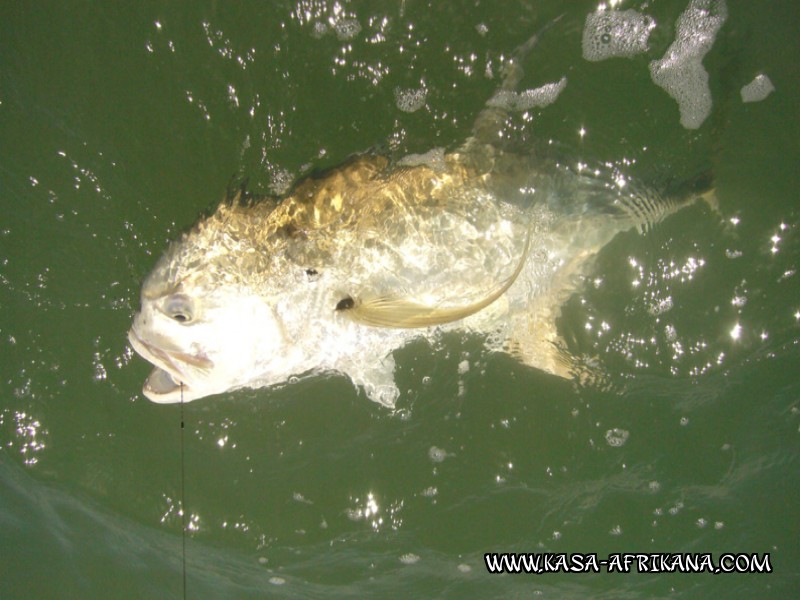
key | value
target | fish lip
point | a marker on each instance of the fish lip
(165, 365)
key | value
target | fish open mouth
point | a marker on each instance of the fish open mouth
(160, 385)
(166, 382)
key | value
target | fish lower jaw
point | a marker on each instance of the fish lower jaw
(165, 384)
(161, 387)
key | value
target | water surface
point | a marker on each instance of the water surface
(121, 125)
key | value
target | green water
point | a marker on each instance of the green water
(119, 126)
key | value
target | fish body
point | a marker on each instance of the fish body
(358, 261)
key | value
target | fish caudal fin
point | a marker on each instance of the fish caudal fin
(646, 209)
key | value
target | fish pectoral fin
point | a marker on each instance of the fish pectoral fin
(387, 311)
(402, 313)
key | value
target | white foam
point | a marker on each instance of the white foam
(680, 71)
(409, 558)
(410, 100)
(758, 89)
(617, 437)
(527, 99)
(433, 158)
(615, 33)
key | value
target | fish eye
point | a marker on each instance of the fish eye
(179, 308)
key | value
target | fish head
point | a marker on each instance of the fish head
(204, 330)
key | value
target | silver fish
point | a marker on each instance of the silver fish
(355, 263)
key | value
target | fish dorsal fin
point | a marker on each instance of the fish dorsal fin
(491, 120)
(401, 313)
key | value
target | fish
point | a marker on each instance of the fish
(359, 260)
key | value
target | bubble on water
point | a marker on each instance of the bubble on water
(464, 568)
(430, 492)
(676, 508)
(680, 71)
(319, 29)
(536, 98)
(298, 497)
(758, 89)
(281, 180)
(262, 560)
(615, 33)
(659, 307)
(347, 29)
(30, 437)
(409, 558)
(277, 580)
(383, 394)
(410, 100)
(437, 455)
(100, 373)
(463, 367)
(482, 29)
(434, 158)
(617, 437)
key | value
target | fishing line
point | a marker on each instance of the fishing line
(183, 499)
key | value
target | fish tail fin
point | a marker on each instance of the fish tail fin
(645, 207)
(694, 187)
(699, 188)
